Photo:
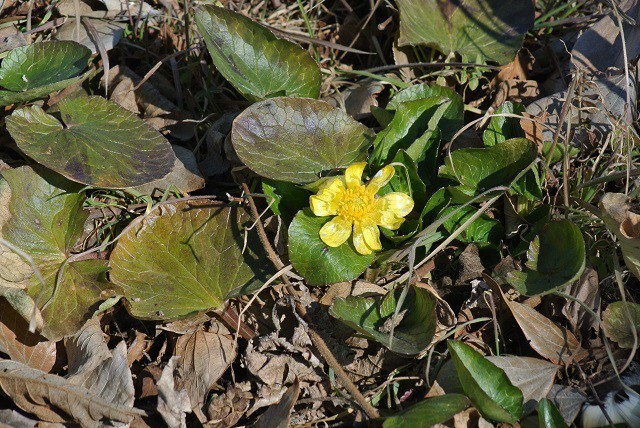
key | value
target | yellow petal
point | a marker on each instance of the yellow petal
(381, 178)
(325, 202)
(388, 220)
(335, 232)
(353, 174)
(366, 238)
(398, 203)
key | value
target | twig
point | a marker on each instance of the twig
(317, 340)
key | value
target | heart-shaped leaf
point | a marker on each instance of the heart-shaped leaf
(453, 116)
(295, 139)
(253, 60)
(46, 221)
(36, 70)
(374, 316)
(483, 230)
(316, 261)
(183, 258)
(429, 412)
(478, 170)
(620, 319)
(556, 258)
(486, 385)
(473, 28)
(100, 143)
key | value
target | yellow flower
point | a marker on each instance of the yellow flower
(358, 208)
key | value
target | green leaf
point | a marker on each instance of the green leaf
(414, 129)
(183, 258)
(453, 116)
(46, 221)
(429, 412)
(481, 169)
(288, 198)
(253, 60)
(100, 143)
(317, 262)
(620, 319)
(549, 416)
(373, 316)
(486, 385)
(483, 230)
(502, 128)
(473, 28)
(556, 258)
(295, 139)
(36, 70)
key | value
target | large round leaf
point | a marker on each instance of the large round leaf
(486, 385)
(316, 261)
(295, 139)
(488, 29)
(556, 258)
(36, 70)
(253, 60)
(182, 258)
(100, 143)
(46, 221)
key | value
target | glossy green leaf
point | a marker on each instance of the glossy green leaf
(486, 385)
(184, 258)
(503, 128)
(295, 139)
(414, 129)
(373, 316)
(253, 60)
(99, 143)
(318, 263)
(429, 412)
(549, 416)
(484, 229)
(620, 319)
(555, 259)
(478, 170)
(46, 221)
(453, 116)
(36, 70)
(473, 28)
(288, 198)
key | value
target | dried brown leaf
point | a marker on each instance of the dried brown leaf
(533, 376)
(172, 404)
(546, 338)
(21, 345)
(278, 415)
(54, 399)
(204, 357)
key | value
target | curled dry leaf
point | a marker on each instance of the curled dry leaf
(625, 224)
(172, 404)
(547, 339)
(620, 319)
(21, 345)
(278, 415)
(204, 357)
(55, 399)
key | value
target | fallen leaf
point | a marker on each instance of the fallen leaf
(278, 415)
(12, 419)
(109, 33)
(625, 224)
(620, 319)
(587, 291)
(568, 400)
(54, 399)
(559, 346)
(172, 404)
(204, 357)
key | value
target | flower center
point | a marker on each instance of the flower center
(356, 203)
